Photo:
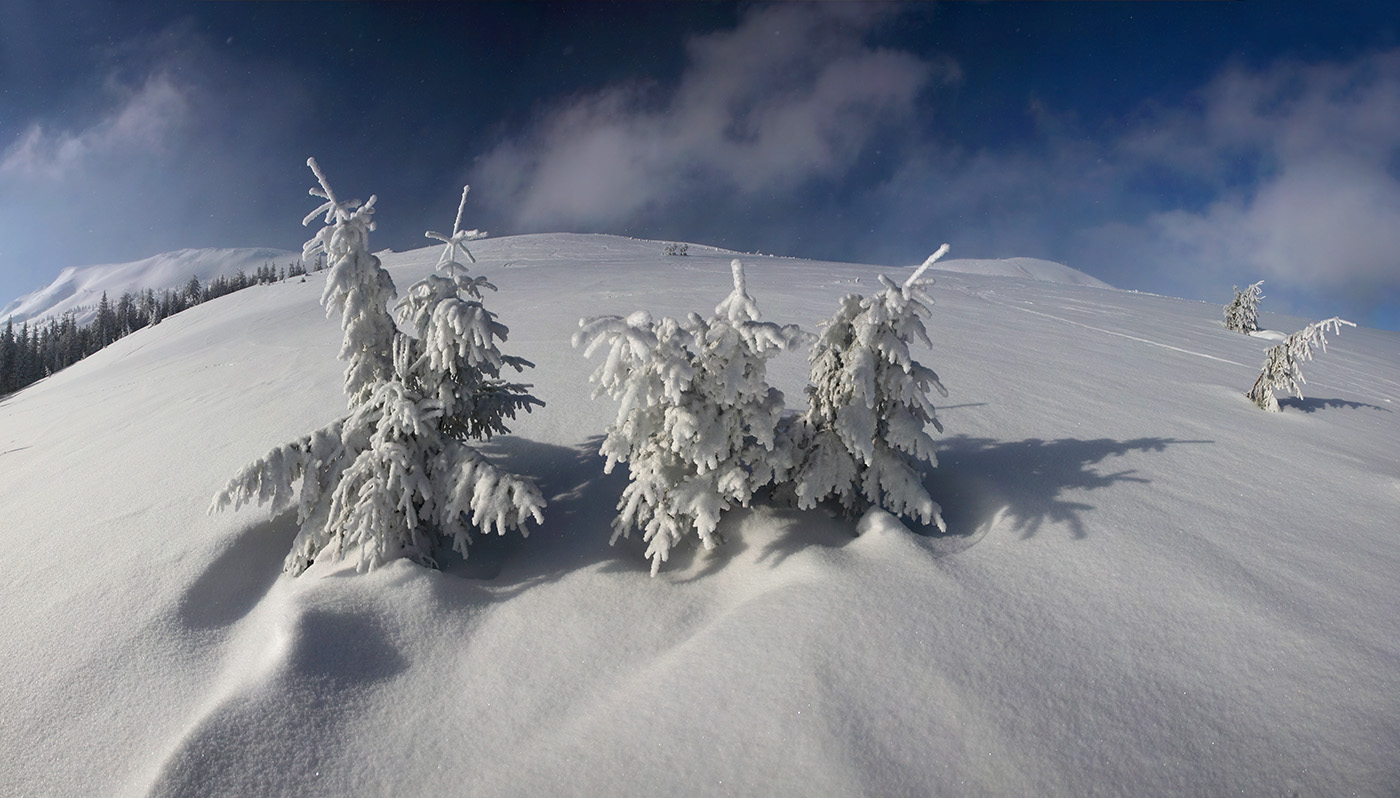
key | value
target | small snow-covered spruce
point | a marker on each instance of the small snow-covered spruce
(395, 476)
(1242, 314)
(1282, 364)
(676, 249)
(457, 360)
(868, 406)
(696, 417)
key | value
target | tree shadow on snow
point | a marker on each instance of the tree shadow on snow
(237, 579)
(581, 502)
(1311, 405)
(796, 530)
(574, 535)
(981, 482)
(578, 526)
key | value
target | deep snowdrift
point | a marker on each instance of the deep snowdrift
(1149, 587)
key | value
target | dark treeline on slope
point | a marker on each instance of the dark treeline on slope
(31, 353)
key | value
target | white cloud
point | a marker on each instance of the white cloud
(1317, 223)
(1288, 172)
(793, 93)
(1303, 159)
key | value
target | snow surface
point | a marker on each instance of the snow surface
(1148, 587)
(80, 288)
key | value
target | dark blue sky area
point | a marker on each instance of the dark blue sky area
(1173, 147)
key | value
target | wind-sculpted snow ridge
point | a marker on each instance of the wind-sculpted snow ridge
(1147, 586)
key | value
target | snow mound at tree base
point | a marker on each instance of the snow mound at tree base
(1148, 586)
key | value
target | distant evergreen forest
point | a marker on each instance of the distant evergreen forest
(30, 353)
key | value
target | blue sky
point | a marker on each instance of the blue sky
(1178, 147)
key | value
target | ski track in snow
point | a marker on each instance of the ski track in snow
(1024, 309)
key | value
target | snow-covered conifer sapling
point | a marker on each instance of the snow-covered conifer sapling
(868, 407)
(1282, 370)
(396, 476)
(696, 417)
(1242, 314)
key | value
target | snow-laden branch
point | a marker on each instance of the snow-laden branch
(915, 278)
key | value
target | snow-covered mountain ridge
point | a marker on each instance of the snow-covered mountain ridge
(1148, 586)
(81, 287)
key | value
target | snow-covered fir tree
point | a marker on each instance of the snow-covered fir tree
(868, 406)
(9, 349)
(396, 476)
(1242, 314)
(1282, 364)
(696, 417)
(456, 361)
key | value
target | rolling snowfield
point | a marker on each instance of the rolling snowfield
(1148, 586)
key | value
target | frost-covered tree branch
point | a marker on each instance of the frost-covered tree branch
(357, 289)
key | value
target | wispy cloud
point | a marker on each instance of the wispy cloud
(790, 95)
(176, 149)
(142, 120)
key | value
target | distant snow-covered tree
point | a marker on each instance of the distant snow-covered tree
(105, 325)
(194, 292)
(397, 476)
(865, 426)
(9, 351)
(696, 417)
(676, 249)
(1242, 314)
(1282, 364)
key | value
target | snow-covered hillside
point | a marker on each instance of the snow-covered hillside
(1149, 587)
(81, 287)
